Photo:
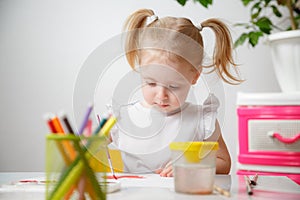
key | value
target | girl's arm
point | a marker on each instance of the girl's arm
(223, 157)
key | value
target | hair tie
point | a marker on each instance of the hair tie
(150, 20)
(199, 27)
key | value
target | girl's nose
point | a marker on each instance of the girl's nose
(162, 93)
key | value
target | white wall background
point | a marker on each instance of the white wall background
(43, 45)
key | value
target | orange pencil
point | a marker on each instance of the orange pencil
(59, 145)
(68, 147)
(59, 130)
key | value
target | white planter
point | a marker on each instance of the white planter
(285, 52)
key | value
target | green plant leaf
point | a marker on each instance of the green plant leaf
(255, 15)
(255, 10)
(276, 11)
(282, 2)
(246, 2)
(246, 25)
(182, 2)
(204, 3)
(264, 24)
(267, 2)
(255, 6)
(254, 37)
(241, 40)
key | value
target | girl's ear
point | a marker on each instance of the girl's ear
(197, 73)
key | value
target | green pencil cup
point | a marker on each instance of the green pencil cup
(71, 163)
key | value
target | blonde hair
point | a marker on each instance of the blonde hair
(137, 25)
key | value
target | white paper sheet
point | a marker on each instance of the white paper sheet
(149, 180)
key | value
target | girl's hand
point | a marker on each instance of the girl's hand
(165, 172)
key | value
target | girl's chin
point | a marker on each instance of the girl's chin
(165, 109)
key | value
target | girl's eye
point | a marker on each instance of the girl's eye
(173, 87)
(151, 84)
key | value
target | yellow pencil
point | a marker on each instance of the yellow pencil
(107, 126)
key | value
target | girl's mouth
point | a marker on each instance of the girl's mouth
(163, 106)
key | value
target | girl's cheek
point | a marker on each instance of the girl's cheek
(148, 94)
(181, 94)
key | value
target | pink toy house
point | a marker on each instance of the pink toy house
(269, 134)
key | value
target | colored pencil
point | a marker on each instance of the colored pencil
(59, 145)
(222, 191)
(107, 126)
(86, 118)
(110, 163)
(59, 130)
(248, 185)
(73, 172)
(77, 147)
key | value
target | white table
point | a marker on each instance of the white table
(155, 187)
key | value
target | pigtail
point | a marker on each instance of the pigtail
(223, 51)
(135, 21)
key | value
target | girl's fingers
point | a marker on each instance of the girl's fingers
(158, 171)
(170, 174)
(167, 172)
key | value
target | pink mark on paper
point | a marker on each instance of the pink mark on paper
(124, 176)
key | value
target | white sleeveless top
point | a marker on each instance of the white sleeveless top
(143, 135)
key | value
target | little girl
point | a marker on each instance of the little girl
(168, 54)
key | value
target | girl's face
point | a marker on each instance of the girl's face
(166, 83)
